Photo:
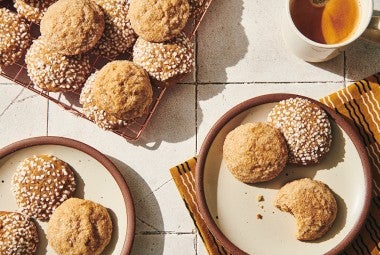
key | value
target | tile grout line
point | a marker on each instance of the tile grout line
(196, 243)
(196, 115)
(153, 191)
(14, 100)
(196, 92)
(6, 84)
(196, 118)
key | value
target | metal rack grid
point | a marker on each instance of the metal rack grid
(69, 101)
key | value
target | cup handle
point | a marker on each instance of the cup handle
(372, 33)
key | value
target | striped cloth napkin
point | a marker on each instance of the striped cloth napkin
(360, 102)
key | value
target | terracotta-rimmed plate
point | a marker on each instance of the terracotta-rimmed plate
(230, 207)
(97, 179)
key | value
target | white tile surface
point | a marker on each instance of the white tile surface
(4, 81)
(201, 249)
(240, 54)
(164, 244)
(22, 114)
(240, 41)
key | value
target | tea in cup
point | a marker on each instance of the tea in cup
(318, 33)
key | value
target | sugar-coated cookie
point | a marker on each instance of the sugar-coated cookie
(165, 60)
(40, 184)
(18, 234)
(32, 10)
(118, 36)
(306, 128)
(14, 37)
(54, 72)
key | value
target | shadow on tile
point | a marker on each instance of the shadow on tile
(222, 41)
(149, 219)
(362, 60)
(335, 65)
(174, 119)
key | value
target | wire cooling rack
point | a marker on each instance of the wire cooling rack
(69, 101)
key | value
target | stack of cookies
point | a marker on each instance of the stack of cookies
(162, 48)
(43, 187)
(121, 91)
(75, 31)
(58, 61)
(297, 132)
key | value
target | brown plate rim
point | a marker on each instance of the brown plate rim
(97, 155)
(271, 98)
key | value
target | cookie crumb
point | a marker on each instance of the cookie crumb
(261, 206)
(260, 198)
(259, 216)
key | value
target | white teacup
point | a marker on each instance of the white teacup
(367, 28)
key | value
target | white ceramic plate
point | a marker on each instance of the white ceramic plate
(230, 207)
(96, 177)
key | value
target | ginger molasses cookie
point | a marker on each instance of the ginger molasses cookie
(40, 184)
(71, 27)
(255, 152)
(313, 205)
(32, 10)
(18, 234)
(118, 36)
(14, 37)
(79, 227)
(55, 72)
(158, 20)
(306, 128)
(116, 94)
(165, 60)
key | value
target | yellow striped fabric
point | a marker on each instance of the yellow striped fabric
(184, 178)
(360, 102)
